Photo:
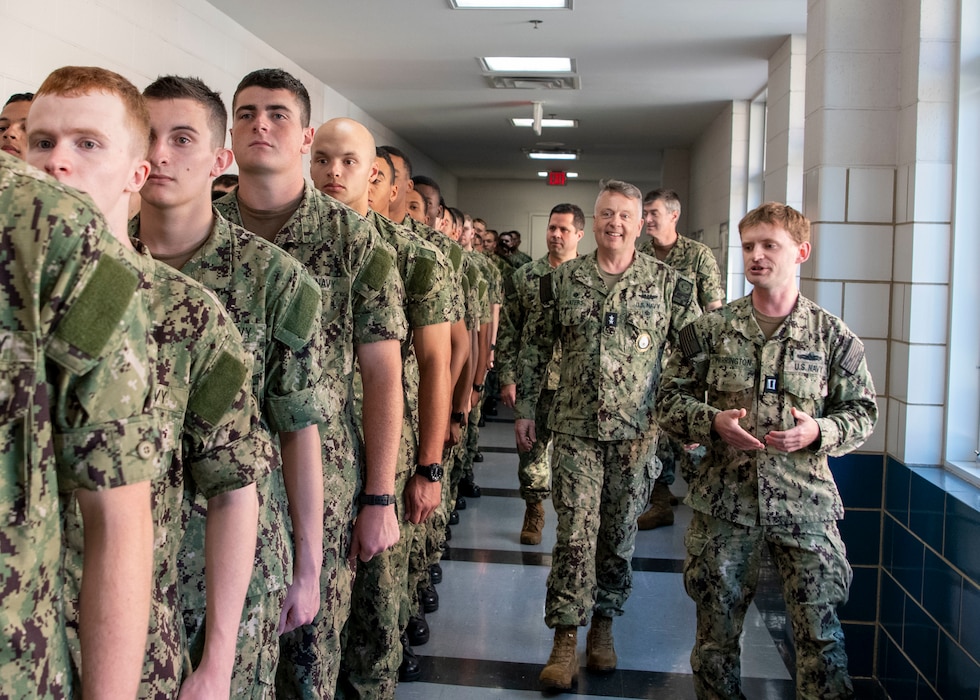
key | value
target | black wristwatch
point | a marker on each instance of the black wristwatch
(458, 417)
(432, 472)
(478, 388)
(370, 499)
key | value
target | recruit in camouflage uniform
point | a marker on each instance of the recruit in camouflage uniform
(211, 445)
(533, 466)
(362, 302)
(695, 261)
(73, 367)
(774, 494)
(275, 305)
(372, 651)
(602, 419)
(489, 293)
(478, 315)
(431, 535)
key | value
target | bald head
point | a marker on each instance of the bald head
(343, 162)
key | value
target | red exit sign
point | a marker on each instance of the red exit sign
(557, 177)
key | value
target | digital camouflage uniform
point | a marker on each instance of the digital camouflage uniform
(788, 502)
(431, 534)
(697, 262)
(372, 651)
(518, 259)
(211, 444)
(602, 418)
(275, 305)
(524, 296)
(489, 293)
(73, 389)
(361, 303)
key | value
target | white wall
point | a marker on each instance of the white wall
(142, 39)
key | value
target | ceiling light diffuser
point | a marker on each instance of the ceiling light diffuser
(527, 64)
(547, 121)
(511, 4)
(552, 155)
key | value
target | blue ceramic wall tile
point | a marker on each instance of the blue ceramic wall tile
(926, 692)
(861, 605)
(859, 641)
(941, 593)
(891, 612)
(861, 530)
(897, 477)
(959, 675)
(921, 639)
(906, 560)
(970, 619)
(895, 673)
(962, 543)
(926, 511)
(859, 478)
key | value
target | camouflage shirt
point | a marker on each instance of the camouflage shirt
(275, 305)
(426, 275)
(475, 266)
(362, 298)
(813, 363)
(453, 253)
(74, 413)
(211, 440)
(523, 295)
(695, 261)
(611, 341)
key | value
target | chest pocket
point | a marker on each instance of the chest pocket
(21, 481)
(810, 388)
(728, 375)
(254, 337)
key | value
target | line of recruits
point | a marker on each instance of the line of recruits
(249, 422)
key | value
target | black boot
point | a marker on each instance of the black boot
(410, 670)
(417, 630)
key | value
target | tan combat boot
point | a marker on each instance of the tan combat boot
(562, 667)
(599, 645)
(659, 514)
(533, 523)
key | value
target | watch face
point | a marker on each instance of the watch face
(436, 473)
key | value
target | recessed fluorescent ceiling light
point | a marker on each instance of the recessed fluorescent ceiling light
(544, 173)
(511, 4)
(562, 123)
(552, 155)
(527, 64)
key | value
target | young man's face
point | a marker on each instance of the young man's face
(431, 197)
(12, 136)
(771, 256)
(489, 243)
(88, 143)
(267, 133)
(617, 222)
(381, 190)
(416, 206)
(183, 158)
(343, 165)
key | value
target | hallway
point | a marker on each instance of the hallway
(489, 639)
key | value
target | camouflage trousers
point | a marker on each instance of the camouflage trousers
(436, 525)
(472, 442)
(257, 648)
(534, 467)
(598, 490)
(309, 657)
(721, 574)
(372, 651)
